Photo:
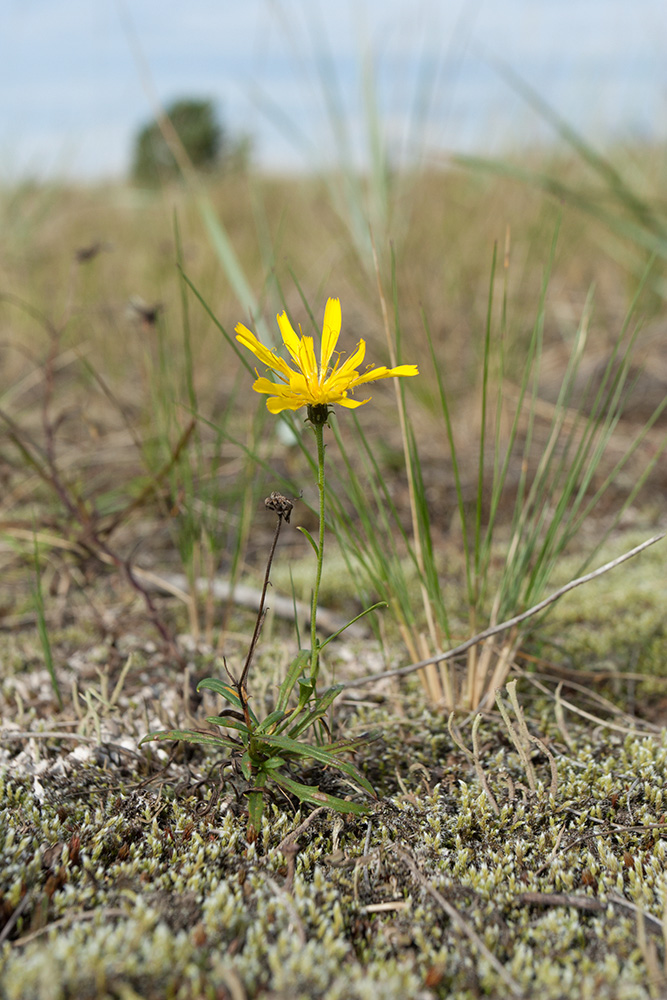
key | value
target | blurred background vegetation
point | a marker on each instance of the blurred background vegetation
(130, 431)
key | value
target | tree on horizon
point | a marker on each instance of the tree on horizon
(197, 126)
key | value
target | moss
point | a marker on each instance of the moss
(617, 619)
(121, 890)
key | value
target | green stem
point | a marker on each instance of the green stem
(314, 649)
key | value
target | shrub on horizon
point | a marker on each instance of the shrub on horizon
(203, 139)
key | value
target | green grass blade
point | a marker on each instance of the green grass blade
(447, 417)
(639, 207)
(481, 461)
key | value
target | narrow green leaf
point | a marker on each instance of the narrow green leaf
(246, 766)
(322, 755)
(226, 254)
(306, 689)
(42, 626)
(271, 720)
(304, 531)
(255, 808)
(221, 687)
(222, 720)
(296, 668)
(373, 607)
(227, 691)
(256, 800)
(190, 736)
(354, 742)
(229, 713)
(310, 793)
(273, 763)
(318, 710)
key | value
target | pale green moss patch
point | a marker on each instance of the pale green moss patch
(619, 612)
(113, 889)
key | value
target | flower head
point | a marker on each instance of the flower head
(309, 383)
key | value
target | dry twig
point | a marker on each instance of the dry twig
(450, 654)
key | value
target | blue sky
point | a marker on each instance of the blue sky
(77, 77)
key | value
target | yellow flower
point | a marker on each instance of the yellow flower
(309, 384)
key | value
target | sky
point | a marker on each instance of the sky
(78, 78)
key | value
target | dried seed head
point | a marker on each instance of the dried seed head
(282, 506)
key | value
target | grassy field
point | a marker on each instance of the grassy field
(516, 840)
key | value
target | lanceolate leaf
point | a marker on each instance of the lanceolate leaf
(191, 736)
(229, 713)
(269, 722)
(273, 763)
(324, 756)
(223, 720)
(297, 667)
(310, 538)
(221, 687)
(227, 691)
(246, 766)
(310, 793)
(255, 808)
(367, 611)
(305, 691)
(256, 802)
(354, 742)
(316, 713)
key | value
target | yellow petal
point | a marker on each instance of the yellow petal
(290, 339)
(276, 404)
(347, 371)
(267, 357)
(281, 396)
(355, 359)
(249, 340)
(330, 332)
(298, 385)
(352, 403)
(266, 385)
(377, 373)
(308, 364)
